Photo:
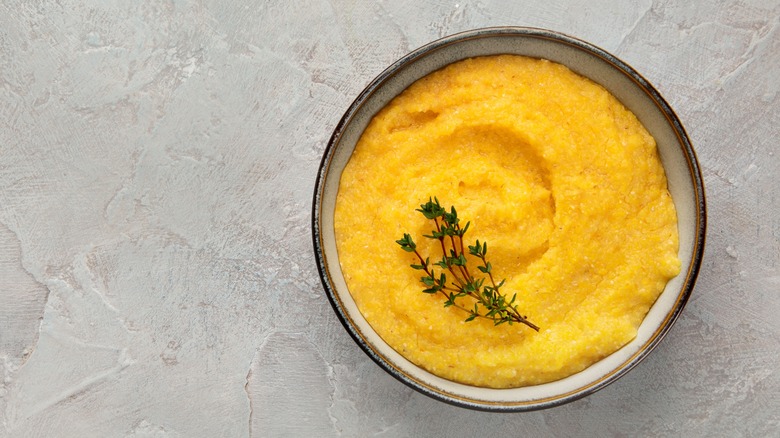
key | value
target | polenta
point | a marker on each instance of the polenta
(555, 173)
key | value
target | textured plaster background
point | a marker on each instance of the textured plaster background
(157, 161)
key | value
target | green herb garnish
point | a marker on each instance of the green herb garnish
(489, 302)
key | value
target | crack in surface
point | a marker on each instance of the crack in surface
(10, 296)
(83, 386)
(628, 33)
(749, 57)
(249, 398)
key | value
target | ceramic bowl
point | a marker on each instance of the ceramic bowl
(634, 91)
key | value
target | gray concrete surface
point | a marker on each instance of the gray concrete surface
(157, 160)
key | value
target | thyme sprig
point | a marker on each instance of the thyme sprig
(488, 301)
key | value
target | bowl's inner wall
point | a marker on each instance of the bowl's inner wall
(589, 62)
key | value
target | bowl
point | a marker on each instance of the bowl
(634, 91)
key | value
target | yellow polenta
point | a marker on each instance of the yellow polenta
(559, 178)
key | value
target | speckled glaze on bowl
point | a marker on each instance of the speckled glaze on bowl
(677, 155)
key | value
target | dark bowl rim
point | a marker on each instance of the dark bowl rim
(661, 331)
